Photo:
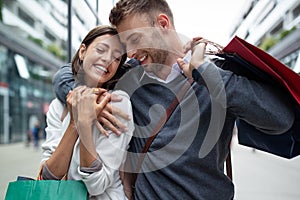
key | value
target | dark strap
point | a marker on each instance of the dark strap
(161, 123)
(229, 166)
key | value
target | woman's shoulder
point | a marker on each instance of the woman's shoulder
(121, 93)
(56, 103)
(56, 106)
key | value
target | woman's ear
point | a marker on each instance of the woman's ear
(82, 51)
(163, 21)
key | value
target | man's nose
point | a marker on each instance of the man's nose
(131, 53)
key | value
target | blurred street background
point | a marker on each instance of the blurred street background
(39, 36)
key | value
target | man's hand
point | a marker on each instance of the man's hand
(107, 116)
(197, 46)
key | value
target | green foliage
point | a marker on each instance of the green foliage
(64, 57)
(36, 40)
(56, 51)
(286, 32)
(268, 42)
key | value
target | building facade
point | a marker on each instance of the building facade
(35, 38)
(274, 26)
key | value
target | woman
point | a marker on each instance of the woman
(77, 147)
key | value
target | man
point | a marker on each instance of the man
(186, 158)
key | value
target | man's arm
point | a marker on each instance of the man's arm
(259, 104)
(63, 82)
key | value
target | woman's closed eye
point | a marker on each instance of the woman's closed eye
(100, 50)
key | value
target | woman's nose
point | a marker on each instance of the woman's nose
(106, 58)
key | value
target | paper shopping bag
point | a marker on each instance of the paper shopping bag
(245, 59)
(266, 63)
(46, 190)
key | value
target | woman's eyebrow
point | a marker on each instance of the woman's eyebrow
(104, 44)
(109, 46)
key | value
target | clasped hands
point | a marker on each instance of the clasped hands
(92, 105)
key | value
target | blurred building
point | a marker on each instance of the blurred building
(36, 37)
(273, 25)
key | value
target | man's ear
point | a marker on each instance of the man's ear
(163, 21)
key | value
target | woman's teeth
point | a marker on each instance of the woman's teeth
(102, 68)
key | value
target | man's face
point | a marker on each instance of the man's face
(143, 41)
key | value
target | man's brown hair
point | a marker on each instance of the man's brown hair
(123, 8)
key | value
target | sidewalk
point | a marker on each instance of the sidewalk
(256, 175)
(261, 176)
(16, 159)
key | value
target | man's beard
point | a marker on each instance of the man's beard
(159, 58)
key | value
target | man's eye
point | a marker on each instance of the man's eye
(135, 40)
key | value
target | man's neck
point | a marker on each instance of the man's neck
(176, 51)
(164, 72)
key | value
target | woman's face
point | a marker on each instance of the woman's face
(100, 59)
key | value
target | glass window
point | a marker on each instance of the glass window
(24, 16)
(296, 11)
(21, 66)
(277, 28)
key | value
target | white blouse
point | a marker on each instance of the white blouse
(106, 183)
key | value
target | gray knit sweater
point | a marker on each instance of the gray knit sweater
(186, 159)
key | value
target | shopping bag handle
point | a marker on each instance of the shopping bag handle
(218, 48)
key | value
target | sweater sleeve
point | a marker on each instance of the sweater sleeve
(259, 104)
(63, 81)
(112, 152)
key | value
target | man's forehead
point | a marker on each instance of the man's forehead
(125, 34)
(133, 21)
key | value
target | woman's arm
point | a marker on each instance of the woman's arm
(59, 159)
(58, 163)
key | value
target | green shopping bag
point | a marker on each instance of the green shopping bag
(46, 190)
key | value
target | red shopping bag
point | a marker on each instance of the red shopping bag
(265, 62)
(248, 60)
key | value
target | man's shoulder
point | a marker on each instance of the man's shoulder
(130, 80)
(135, 73)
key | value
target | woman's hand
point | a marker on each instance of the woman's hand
(197, 46)
(105, 112)
(83, 106)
